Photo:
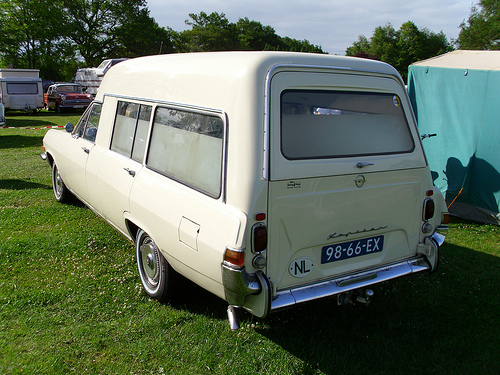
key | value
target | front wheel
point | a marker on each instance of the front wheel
(61, 192)
(154, 270)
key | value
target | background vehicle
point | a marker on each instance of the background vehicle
(21, 89)
(66, 95)
(91, 78)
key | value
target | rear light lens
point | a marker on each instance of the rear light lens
(234, 257)
(445, 218)
(429, 208)
(259, 238)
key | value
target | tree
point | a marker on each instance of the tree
(209, 32)
(402, 47)
(32, 36)
(482, 29)
(109, 28)
(214, 32)
(152, 39)
(253, 36)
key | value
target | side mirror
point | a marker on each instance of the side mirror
(69, 127)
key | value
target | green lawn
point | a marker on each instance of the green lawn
(71, 300)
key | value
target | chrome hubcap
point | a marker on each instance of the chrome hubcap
(149, 258)
(58, 183)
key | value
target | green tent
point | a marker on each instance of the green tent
(457, 97)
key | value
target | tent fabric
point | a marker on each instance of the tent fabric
(461, 104)
(482, 60)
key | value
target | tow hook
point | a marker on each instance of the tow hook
(352, 297)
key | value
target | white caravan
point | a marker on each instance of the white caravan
(21, 89)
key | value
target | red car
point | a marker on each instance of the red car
(66, 95)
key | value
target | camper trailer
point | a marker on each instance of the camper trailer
(21, 89)
(90, 78)
(268, 178)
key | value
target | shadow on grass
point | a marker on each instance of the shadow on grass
(14, 184)
(23, 122)
(19, 141)
(441, 323)
(190, 297)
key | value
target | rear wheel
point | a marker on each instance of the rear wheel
(154, 270)
(61, 192)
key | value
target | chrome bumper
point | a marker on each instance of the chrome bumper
(293, 296)
(242, 289)
(238, 284)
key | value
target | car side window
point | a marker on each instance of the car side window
(188, 147)
(88, 123)
(131, 129)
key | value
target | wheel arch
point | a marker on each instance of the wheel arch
(133, 229)
(50, 159)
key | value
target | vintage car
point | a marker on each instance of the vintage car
(268, 178)
(66, 95)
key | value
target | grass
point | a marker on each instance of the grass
(71, 301)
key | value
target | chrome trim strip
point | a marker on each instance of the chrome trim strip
(307, 293)
(167, 103)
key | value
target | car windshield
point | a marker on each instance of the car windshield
(70, 88)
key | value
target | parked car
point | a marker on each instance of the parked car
(269, 179)
(66, 95)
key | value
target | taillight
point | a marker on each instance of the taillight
(445, 218)
(235, 257)
(429, 208)
(259, 238)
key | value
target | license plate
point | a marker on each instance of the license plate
(78, 106)
(352, 249)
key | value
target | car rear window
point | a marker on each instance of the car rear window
(332, 124)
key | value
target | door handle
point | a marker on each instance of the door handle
(362, 165)
(86, 150)
(130, 172)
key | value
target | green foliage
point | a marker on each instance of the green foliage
(32, 36)
(482, 29)
(59, 37)
(103, 28)
(55, 36)
(71, 300)
(209, 32)
(402, 47)
(214, 32)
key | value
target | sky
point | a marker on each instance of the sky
(332, 24)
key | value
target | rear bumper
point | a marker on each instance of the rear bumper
(287, 298)
(253, 291)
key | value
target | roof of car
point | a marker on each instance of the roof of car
(183, 75)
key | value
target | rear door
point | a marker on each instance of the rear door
(123, 160)
(347, 175)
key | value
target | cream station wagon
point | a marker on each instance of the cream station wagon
(269, 179)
